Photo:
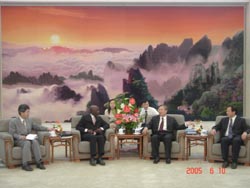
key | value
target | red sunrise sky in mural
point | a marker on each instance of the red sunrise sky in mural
(118, 25)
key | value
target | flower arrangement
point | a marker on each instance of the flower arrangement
(58, 127)
(127, 113)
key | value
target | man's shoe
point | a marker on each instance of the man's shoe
(168, 161)
(27, 167)
(100, 161)
(40, 166)
(92, 162)
(156, 160)
(225, 164)
(234, 165)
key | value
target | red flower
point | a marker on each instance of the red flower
(132, 101)
(136, 110)
(117, 116)
(126, 109)
(118, 122)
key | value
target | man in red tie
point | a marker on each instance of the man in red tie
(92, 128)
(231, 129)
(163, 129)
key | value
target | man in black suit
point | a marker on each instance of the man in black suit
(92, 128)
(163, 129)
(231, 129)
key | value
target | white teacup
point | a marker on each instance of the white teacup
(120, 131)
(203, 132)
(52, 133)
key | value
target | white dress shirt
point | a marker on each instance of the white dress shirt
(150, 111)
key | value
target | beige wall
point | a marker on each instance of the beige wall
(191, 3)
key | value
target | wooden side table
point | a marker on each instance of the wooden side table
(65, 141)
(129, 138)
(194, 140)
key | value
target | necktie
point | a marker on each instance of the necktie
(161, 125)
(24, 123)
(146, 115)
(230, 128)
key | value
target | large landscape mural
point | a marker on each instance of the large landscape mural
(61, 59)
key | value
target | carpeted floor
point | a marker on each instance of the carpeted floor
(128, 171)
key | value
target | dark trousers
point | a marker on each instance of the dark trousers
(236, 142)
(93, 140)
(155, 144)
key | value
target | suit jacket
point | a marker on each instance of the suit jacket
(239, 126)
(17, 129)
(172, 125)
(87, 123)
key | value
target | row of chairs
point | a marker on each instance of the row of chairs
(11, 154)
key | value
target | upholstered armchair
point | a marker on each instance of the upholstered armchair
(178, 146)
(214, 148)
(81, 149)
(11, 154)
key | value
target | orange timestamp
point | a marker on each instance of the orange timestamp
(199, 170)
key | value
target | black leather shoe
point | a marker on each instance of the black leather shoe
(40, 166)
(234, 165)
(156, 160)
(101, 162)
(92, 162)
(168, 161)
(27, 167)
(225, 164)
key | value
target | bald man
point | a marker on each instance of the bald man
(92, 128)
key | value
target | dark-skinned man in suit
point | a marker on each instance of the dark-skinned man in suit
(92, 128)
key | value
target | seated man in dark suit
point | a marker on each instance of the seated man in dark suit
(231, 129)
(164, 129)
(92, 128)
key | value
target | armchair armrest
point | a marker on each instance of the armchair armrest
(6, 145)
(247, 139)
(76, 135)
(180, 134)
(5, 136)
(147, 138)
(210, 135)
(109, 133)
(43, 136)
